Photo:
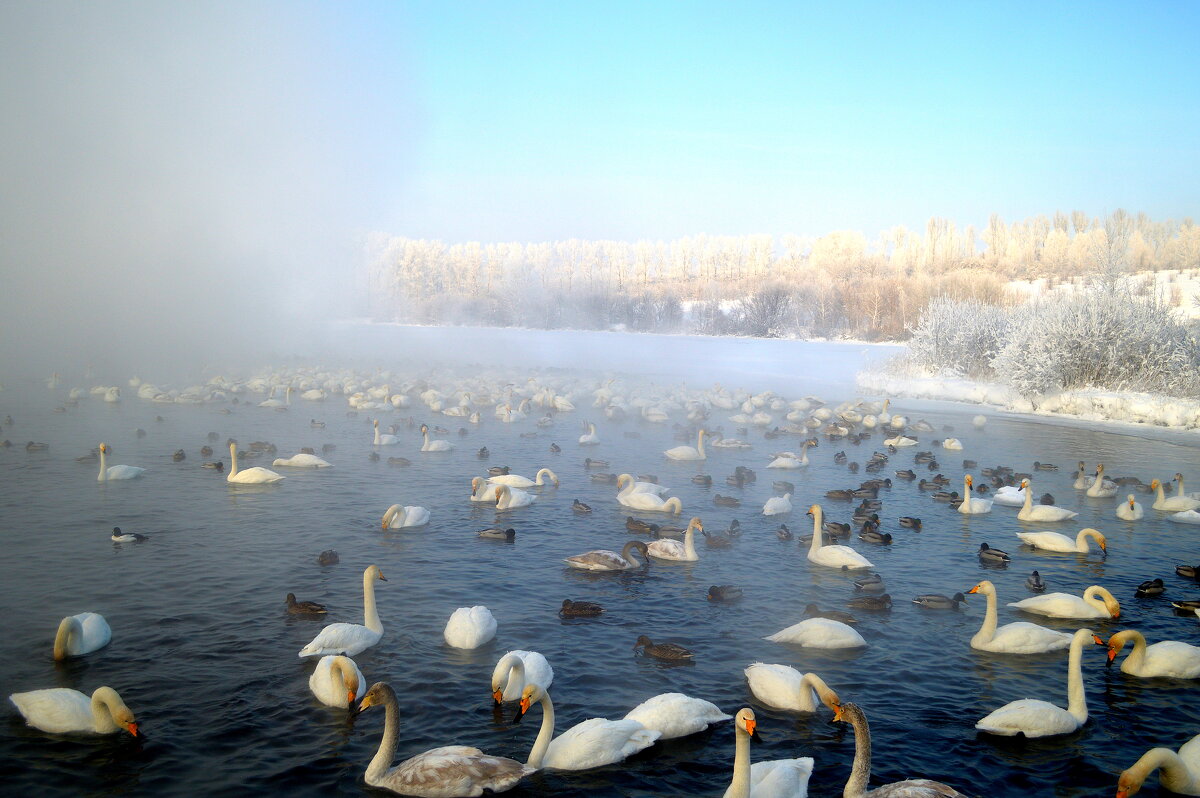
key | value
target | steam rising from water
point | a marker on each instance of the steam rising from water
(183, 182)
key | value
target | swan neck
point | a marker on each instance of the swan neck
(104, 701)
(1137, 658)
(628, 553)
(990, 619)
(1092, 597)
(1076, 701)
(740, 786)
(808, 683)
(860, 771)
(1028, 506)
(700, 447)
(509, 668)
(689, 543)
(391, 735)
(815, 546)
(674, 505)
(1176, 776)
(62, 641)
(233, 468)
(103, 475)
(542, 742)
(370, 616)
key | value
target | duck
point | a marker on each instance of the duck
(1037, 466)
(497, 533)
(469, 627)
(726, 501)
(328, 557)
(434, 446)
(580, 609)
(81, 634)
(1034, 718)
(542, 477)
(590, 744)
(1020, 637)
(512, 498)
(832, 556)
(774, 778)
(351, 638)
(882, 602)
(589, 462)
(383, 439)
(516, 669)
(724, 593)
(1041, 512)
(675, 550)
(813, 611)
(702, 479)
(988, 554)
(304, 461)
(112, 473)
(1169, 658)
(973, 506)
(910, 522)
(1150, 587)
(778, 505)
(875, 536)
(860, 771)
(936, 601)
(819, 633)
(1188, 571)
(870, 583)
(605, 560)
(59, 710)
(1173, 504)
(1035, 582)
(449, 770)
(1180, 771)
(784, 687)
(249, 476)
(664, 651)
(303, 607)
(783, 533)
(218, 466)
(337, 681)
(401, 517)
(1096, 603)
(688, 452)
(1053, 541)
(127, 537)
(1130, 510)
(675, 715)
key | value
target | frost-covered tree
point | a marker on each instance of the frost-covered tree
(959, 337)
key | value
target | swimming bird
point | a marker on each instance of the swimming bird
(819, 633)
(81, 634)
(1096, 603)
(989, 554)
(1053, 541)
(860, 771)
(580, 609)
(688, 452)
(1019, 637)
(676, 550)
(399, 516)
(1041, 512)
(127, 537)
(1168, 658)
(303, 607)
(1129, 510)
(336, 681)
(516, 669)
(249, 476)
(675, 715)
(112, 473)
(543, 476)
(773, 778)
(579, 507)
(1101, 488)
(383, 439)
(664, 651)
(1180, 771)
(328, 557)
(62, 711)
(936, 601)
(832, 556)
(882, 602)
(910, 522)
(1150, 587)
(470, 627)
(973, 506)
(605, 560)
(351, 638)
(512, 498)
(784, 687)
(1035, 582)
(496, 533)
(724, 593)
(592, 743)
(870, 582)
(434, 446)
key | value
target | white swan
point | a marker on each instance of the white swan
(1064, 605)
(302, 460)
(647, 501)
(400, 516)
(605, 560)
(590, 744)
(511, 498)
(1171, 503)
(675, 550)
(900, 441)
(953, 444)
(778, 505)
(483, 491)
(1130, 510)
(516, 669)
(675, 715)
(832, 556)
(1010, 495)
(384, 439)
(589, 438)
(689, 452)
(108, 472)
(1053, 541)
(470, 627)
(1185, 517)
(819, 633)
(775, 778)
(81, 634)
(351, 638)
(970, 505)
(1101, 488)
(250, 476)
(518, 481)
(1036, 718)
(1042, 512)
(273, 402)
(439, 772)
(784, 687)
(60, 710)
(434, 446)
(790, 460)
(1169, 658)
(626, 482)
(1020, 637)
(337, 681)
(1180, 772)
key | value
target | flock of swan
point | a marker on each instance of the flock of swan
(526, 677)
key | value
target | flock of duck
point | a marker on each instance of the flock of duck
(526, 677)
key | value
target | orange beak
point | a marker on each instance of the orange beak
(497, 695)
(1096, 639)
(837, 711)
(751, 725)
(1112, 654)
(350, 698)
(1122, 794)
(524, 705)
(974, 589)
(133, 729)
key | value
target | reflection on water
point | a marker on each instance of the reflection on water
(205, 654)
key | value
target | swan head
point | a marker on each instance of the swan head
(982, 587)
(1154, 485)
(745, 721)
(1101, 541)
(1024, 484)
(529, 696)
(380, 693)
(696, 524)
(1131, 501)
(373, 572)
(1099, 468)
(1129, 783)
(121, 714)
(969, 480)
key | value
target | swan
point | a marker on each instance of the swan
(626, 482)
(337, 681)
(832, 556)
(302, 461)
(819, 633)
(1042, 512)
(384, 439)
(972, 506)
(1185, 517)
(648, 501)
(1064, 605)
(776, 778)
(470, 627)
(675, 550)
(1129, 510)
(790, 460)
(860, 771)
(589, 744)
(351, 638)
(516, 669)
(511, 498)
(589, 438)
(434, 446)
(1035, 718)
(250, 476)
(605, 560)
(675, 715)
(1169, 658)
(108, 472)
(1180, 772)
(482, 491)
(1020, 637)
(1010, 495)
(439, 772)
(1101, 488)
(1053, 541)
(900, 440)
(273, 402)
(81, 634)
(778, 505)
(783, 687)
(1169, 503)
(953, 444)
(60, 710)
(1082, 480)
(400, 517)
(689, 452)
(518, 481)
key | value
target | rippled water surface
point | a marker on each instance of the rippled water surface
(205, 654)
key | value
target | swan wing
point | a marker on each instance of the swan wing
(1030, 717)
(839, 556)
(597, 742)
(600, 560)
(58, 709)
(453, 770)
(1049, 541)
(95, 633)
(124, 472)
(776, 685)
(512, 480)
(341, 638)
(1173, 659)
(781, 778)
(676, 715)
(1058, 605)
(1021, 637)
(819, 633)
(415, 516)
(667, 550)
(1185, 517)
(641, 500)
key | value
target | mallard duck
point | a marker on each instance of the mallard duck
(483, 453)
(936, 601)
(34, 446)
(498, 471)
(497, 533)
(726, 501)
(206, 451)
(579, 507)
(590, 463)
(813, 611)
(946, 496)
(579, 609)
(840, 458)
(872, 583)
(987, 553)
(724, 593)
(835, 529)
(783, 533)
(911, 523)
(839, 494)
(1151, 587)
(1188, 571)
(1044, 466)
(883, 602)
(666, 651)
(783, 486)
(640, 527)
(1035, 582)
(702, 479)
(373, 457)
(328, 557)
(303, 607)
(555, 448)
(907, 473)
(875, 536)
(715, 540)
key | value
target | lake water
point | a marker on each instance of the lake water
(205, 655)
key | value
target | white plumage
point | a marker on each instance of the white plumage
(470, 627)
(819, 633)
(676, 715)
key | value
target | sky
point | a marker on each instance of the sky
(204, 174)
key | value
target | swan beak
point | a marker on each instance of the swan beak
(133, 729)
(366, 702)
(837, 711)
(1098, 641)
(350, 698)
(976, 590)
(382, 578)
(751, 729)
(497, 695)
(1112, 655)
(524, 707)
(1122, 794)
